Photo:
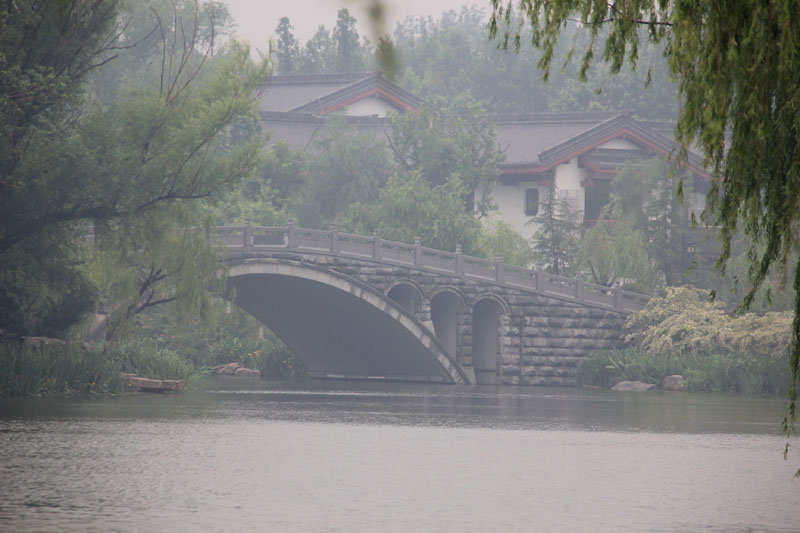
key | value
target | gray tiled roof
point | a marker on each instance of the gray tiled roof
(315, 93)
(524, 137)
(528, 141)
(284, 93)
(296, 129)
(299, 130)
(292, 108)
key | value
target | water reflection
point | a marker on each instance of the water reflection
(248, 455)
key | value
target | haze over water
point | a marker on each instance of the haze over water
(383, 457)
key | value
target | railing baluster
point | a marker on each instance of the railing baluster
(248, 232)
(376, 245)
(417, 252)
(291, 239)
(499, 271)
(334, 239)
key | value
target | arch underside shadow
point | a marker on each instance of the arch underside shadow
(338, 327)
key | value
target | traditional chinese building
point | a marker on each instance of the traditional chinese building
(581, 151)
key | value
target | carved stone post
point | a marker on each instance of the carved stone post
(417, 252)
(376, 245)
(459, 261)
(248, 233)
(334, 239)
(291, 240)
(500, 275)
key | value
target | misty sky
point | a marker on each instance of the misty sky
(257, 19)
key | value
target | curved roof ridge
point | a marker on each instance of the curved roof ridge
(343, 77)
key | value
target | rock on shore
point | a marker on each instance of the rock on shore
(237, 369)
(154, 385)
(637, 386)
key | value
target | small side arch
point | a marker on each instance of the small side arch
(462, 299)
(407, 293)
(487, 313)
(446, 305)
(506, 310)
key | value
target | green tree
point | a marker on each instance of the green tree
(409, 206)
(348, 45)
(736, 69)
(347, 166)
(46, 52)
(319, 53)
(265, 196)
(440, 146)
(557, 237)
(287, 49)
(120, 165)
(644, 193)
(614, 250)
(450, 60)
(498, 238)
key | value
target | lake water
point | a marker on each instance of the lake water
(258, 456)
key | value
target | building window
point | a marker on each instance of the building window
(532, 202)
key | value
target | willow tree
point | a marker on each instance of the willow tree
(123, 156)
(737, 66)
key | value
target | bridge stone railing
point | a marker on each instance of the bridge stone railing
(273, 238)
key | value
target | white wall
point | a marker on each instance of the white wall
(619, 144)
(366, 107)
(510, 199)
(510, 202)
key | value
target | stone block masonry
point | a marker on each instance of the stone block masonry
(533, 339)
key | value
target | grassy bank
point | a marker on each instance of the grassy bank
(69, 370)
(730, 373)
(234, 337)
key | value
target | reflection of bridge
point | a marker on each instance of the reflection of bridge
(358, 307)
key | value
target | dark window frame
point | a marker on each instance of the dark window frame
(531, 207)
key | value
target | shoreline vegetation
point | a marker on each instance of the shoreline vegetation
(72, 370)
(684, 333)
(681, 333)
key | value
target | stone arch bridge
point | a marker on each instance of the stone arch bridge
(354, 307)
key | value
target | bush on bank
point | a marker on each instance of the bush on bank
(685, 321)
(737, 374)
(65, 370)
(70, 370)
(233, 339)
(683, 333)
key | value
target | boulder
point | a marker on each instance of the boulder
(672, 383)
(247, 372)
(40, 341)
(637, 386)
(229, 369)
(154, 385)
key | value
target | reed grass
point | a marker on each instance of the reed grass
(730, 373)
(65, 370)
(57, 370)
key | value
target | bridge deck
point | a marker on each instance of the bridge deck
(291, 238)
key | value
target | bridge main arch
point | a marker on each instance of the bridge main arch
(338, 326)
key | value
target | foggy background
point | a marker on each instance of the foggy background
(256, 21)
